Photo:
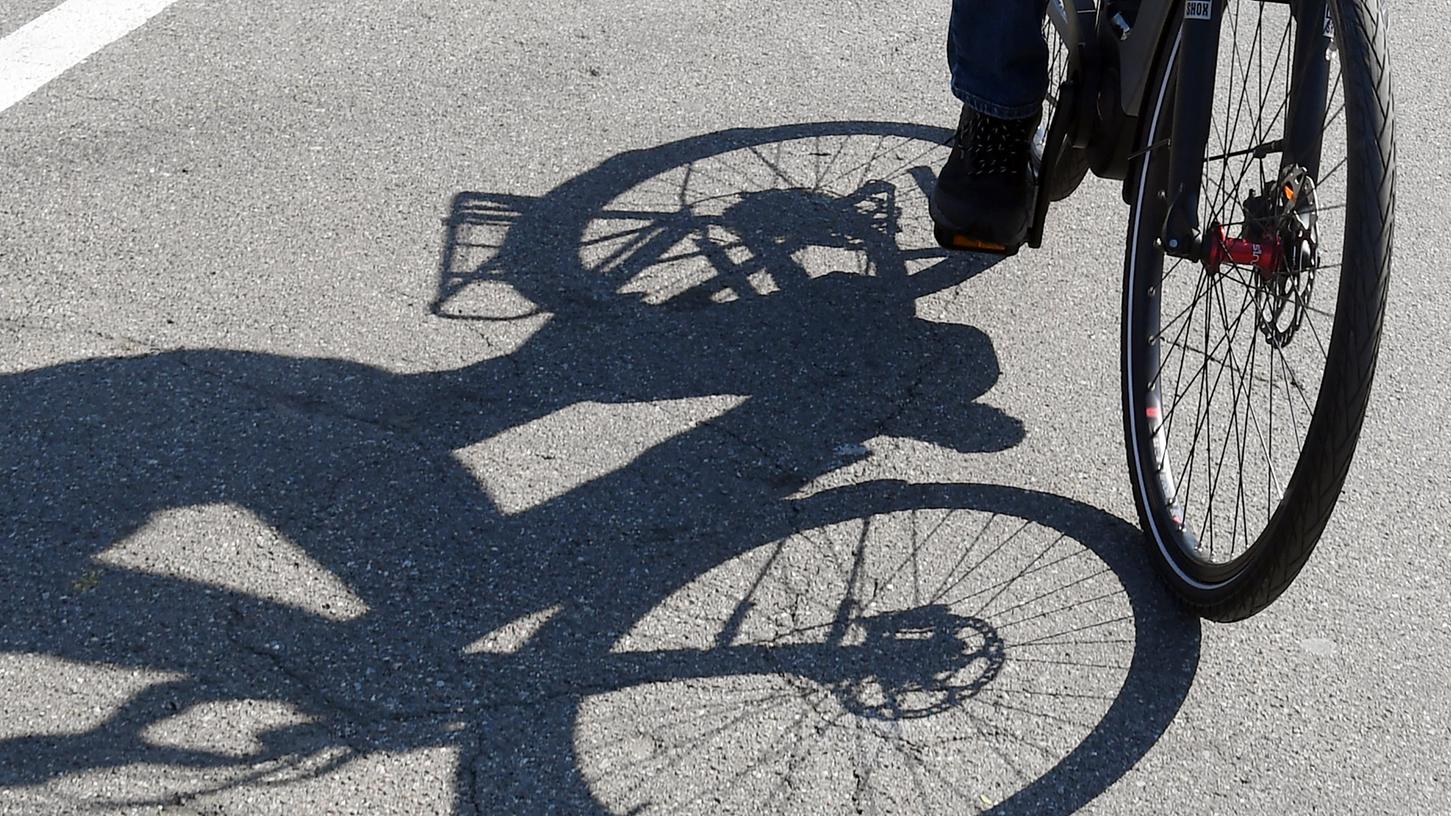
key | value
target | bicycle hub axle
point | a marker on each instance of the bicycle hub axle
(1264, 257)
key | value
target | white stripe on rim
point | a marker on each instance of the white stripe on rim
(1129, 346)
(59, 39)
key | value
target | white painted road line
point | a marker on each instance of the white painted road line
(52, 43)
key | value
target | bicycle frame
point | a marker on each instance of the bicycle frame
(1112, 60)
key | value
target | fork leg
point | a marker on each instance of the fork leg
(1198, 55)
(1309, 86)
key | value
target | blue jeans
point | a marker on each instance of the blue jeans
(998, 58)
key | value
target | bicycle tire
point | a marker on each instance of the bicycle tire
(1245, 582)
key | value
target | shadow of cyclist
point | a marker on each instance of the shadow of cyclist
(362, 470)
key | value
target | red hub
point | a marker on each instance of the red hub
(1264, 257)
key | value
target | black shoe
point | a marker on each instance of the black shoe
(984, 195)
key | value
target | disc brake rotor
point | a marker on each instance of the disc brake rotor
(1285, 214)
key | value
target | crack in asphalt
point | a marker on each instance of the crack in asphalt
(913, 390)
(148, 349)
(468, 766)
(343, 712)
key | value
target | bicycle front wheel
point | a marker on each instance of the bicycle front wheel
(1246, 375)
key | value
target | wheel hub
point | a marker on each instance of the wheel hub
(1279, 241)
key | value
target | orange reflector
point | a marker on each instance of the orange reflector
(964, 242)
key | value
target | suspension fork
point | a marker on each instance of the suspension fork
(1193, 97)
(1309, 86)
(1198, 53)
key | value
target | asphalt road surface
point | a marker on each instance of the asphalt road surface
(560, 407)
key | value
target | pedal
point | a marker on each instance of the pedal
(948, 239)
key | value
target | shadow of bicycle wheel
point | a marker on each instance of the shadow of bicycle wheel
(909, 648)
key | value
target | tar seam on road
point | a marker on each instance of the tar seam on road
(59, 39)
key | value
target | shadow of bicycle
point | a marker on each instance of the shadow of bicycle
(640, 559)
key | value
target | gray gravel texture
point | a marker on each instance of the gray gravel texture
(374, 444)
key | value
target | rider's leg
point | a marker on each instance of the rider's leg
(997, 55)
(999, 64)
